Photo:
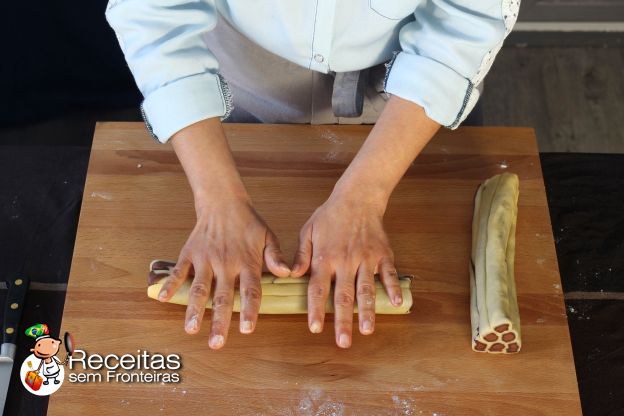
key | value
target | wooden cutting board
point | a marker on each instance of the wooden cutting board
(137, 206)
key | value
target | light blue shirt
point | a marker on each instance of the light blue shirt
(440, 50)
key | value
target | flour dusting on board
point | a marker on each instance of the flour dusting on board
(331, 137)
(330, 156)
(331, 409)
(406, 406)
(103, 195)
(316, 402)
(305, 404)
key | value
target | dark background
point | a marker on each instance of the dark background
(60, 56)
(61, 70)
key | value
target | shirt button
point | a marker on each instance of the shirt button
(319, 58)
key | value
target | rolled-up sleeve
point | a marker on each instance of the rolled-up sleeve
(446, 51)
(176, 73)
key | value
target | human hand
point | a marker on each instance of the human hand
(345, 240)
(229, 243)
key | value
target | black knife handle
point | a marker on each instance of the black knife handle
(14, 306)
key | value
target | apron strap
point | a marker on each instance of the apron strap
(348, 93)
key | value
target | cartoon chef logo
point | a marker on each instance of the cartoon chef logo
(42, 373)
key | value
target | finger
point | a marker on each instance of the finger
(366, 299)
(222, 304)
(390, 280)
(177, 276)
(198, 297)
(250, 297)
(303, 256)
(344, 291)
(318, 291)
(273, 256)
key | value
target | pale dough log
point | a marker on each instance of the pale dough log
(485, 196)
(494, 312)
(287, 295)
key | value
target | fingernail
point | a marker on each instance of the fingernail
(191, 325)
(315, 327)
(367, 327)
(284, 267)
(246, 327)
(162, 295)
(398, 300)
(216, 341)
(343, 341)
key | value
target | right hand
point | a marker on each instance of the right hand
(229, 243)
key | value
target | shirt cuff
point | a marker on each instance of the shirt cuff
(442, 92)
(181, 103)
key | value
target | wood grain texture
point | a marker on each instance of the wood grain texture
(137, 206)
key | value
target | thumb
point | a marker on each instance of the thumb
(303, 257)
(273, 257)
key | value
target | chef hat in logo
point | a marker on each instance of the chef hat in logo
(38, 332)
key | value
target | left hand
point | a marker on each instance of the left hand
(344, 240)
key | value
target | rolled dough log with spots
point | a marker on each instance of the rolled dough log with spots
(493, 304)
(279, 295)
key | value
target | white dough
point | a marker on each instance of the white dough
(289, 296)
(494, 312)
